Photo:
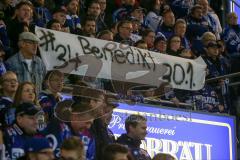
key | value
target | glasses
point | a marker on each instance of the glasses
(10, 80)
(128, 28)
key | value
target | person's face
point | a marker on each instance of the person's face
(90, 27)
(56, 26)
(125, 30)
(55, 83)
(140, 131)
(60, 16)
(94, 9)
(233, 19)
(169, 19)
(10, 83)
(120, 156)
(79, 123)
(98, 105)
(198, 13)
(29, 47)
(70, 155)
(204, 4)
(24, 13)
(28, 93)
(213, 51)
(45, 154)
(138, 13)
(175, 43)
(108, 37)
(28, 123)
(149, 39)
(102, 5)
(136, 26)
(180, 29)
(72, 7)
(161, 46)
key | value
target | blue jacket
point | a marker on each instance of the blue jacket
(17, 64)
(57, 131)
(231, 36)
(15, 141)
(5, 105)
(134, 146)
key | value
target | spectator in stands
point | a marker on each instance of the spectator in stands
(154, 16)
(2, 56)
(95, 11)
(211, 18)
(25, 93)
(7, 9)
(54, 25)
(122, 12)
(88, 27)
(105, 16)
(72, 18)
(60, 15)
(105, 35)
(23, 17)
(50, 96)
(196, 24)
(9, 85)
(42, 13)
(135, 126)
(167, 26)
(73, 118)
(149, 36)
(163, 156)
(115, 152)
(181, 7)
(72, 149)
(38, 149)
(174, 47)
(124, 29)
(180, 30)
(216, 68)
(138, 13)
(141, 44)
(231, 36)
(160, 44)
(25, 128)
(27, 65)
(4, 39)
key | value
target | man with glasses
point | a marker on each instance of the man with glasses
(24, 129)
(9, 83)
(26, 64)
(124, 30)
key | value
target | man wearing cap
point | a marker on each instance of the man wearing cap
(217, 67)
(38, 149)
(26, 64)
(24, 128)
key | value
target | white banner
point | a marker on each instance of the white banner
(92, 57)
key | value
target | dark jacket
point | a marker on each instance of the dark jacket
(134, 146)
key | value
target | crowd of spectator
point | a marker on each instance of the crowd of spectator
(36, 123)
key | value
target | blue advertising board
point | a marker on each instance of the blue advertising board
(184, 134)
